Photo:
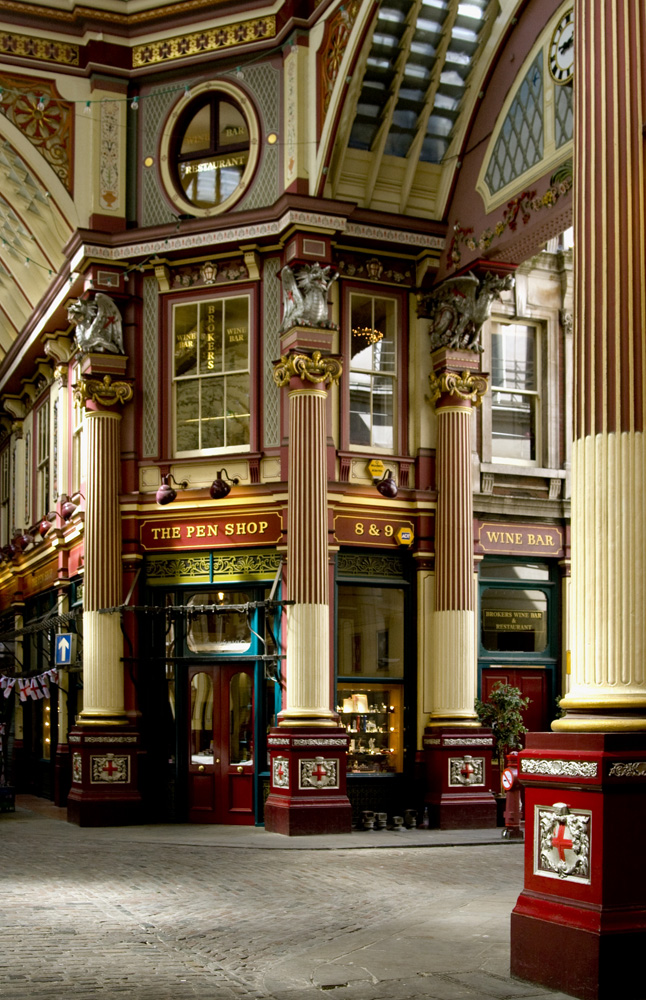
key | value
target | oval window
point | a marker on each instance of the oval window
(209, 149)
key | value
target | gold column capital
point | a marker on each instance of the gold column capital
(315, 368)
(103, 391)
(466, 385)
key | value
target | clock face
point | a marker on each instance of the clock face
(562, 49)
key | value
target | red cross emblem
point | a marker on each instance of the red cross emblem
(319, 772)
(467, 770)
(280, 771)
(109, 767)
(561, 842)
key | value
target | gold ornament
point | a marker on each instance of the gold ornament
(103, 391)
(466, 385)
(315, 369)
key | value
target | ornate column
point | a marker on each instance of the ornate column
(103, 743)
(580, 923)
(308, 747)
(458, 789)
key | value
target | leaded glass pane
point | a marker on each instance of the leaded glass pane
(563, 114)
(520, 143)
(185, 323)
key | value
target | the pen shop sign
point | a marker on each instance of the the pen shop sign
(521, 539)
(231, 530)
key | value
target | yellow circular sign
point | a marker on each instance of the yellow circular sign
(376, 468)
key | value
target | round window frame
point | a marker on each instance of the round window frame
(167, 165)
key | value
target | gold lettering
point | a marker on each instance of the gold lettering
(262, 526)
(190, 530)
(493, 536)
(155, 532)
(165, 532)
(228, 529)
(213, 529)
(548, 540)
(519, 538)
(177, 532)
(358, 528)
(252, 528)
(201, 531)
(241, 528)
(531, 540)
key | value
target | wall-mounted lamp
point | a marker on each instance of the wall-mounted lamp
(386, 485)
(166, 494)
(221, 485)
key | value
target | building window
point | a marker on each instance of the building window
(373, 371)
(209, 149)
(5, 494)
(42, 460)
(211, 375)
(515, 380)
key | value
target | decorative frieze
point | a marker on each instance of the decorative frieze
(560, 768)
(466, 770)
(459, 741)
(202, 42)
(111, 768)
(628, 769)
(331, 742)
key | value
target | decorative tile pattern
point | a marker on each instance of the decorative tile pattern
(628, 769)
(560, 768)
(109, 157)
(271, 325)
(349, 564)
(149, 383)
(51, 130)
(199, 42)
(77, 768)
(45, 49)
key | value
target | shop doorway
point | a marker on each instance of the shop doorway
(533, 682)
(220, 744)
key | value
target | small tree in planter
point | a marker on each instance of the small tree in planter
(502, 713)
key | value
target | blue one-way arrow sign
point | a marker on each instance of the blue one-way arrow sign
(64, 646)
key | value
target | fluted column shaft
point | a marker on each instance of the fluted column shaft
(102, 636)
(453, 671)
(308, 648)
(609, 468)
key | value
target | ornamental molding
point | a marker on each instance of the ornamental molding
(332, 51)
(50, 130)
(315, 368)
(562, 842)
(318, 773)
(465, 385)
(278, 741)
(466, 770)
(237, 234)
(560, 768)
(343, 742)
(460, 741)
(43, 49)
(110, 768)
(110, 739)
(349, 564)
(200, 42)
(103, 391)
(280, 772)
(628, 769)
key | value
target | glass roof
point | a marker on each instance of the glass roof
(416, 74)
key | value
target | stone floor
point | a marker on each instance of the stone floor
(167, 912)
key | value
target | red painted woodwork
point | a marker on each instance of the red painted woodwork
(220, 788)
(533, 683)
(584, 936)
(455, 806)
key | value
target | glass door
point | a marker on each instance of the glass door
(221, 753)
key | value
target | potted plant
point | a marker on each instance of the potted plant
(502, 713)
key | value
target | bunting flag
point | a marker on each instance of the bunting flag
(6, 685)
(36, 687)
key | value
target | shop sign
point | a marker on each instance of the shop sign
(228, 531)
(513, 621)
(522, 539)
(352, 529)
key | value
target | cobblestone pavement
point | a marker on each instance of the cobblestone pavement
(109, 914)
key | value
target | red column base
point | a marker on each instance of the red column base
(307, 782)
(104, 777)
(580, 923)
(459, 778)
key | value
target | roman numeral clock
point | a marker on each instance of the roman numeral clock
(561, 58)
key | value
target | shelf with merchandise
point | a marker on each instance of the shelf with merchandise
(371, 713)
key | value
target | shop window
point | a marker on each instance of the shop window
(218, 631)
(211, 375)
(373, 371)
(240, 718)
(209, 149)
(515, 400)
(370, 676)
(514, 620)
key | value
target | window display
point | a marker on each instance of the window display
(372, 716)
